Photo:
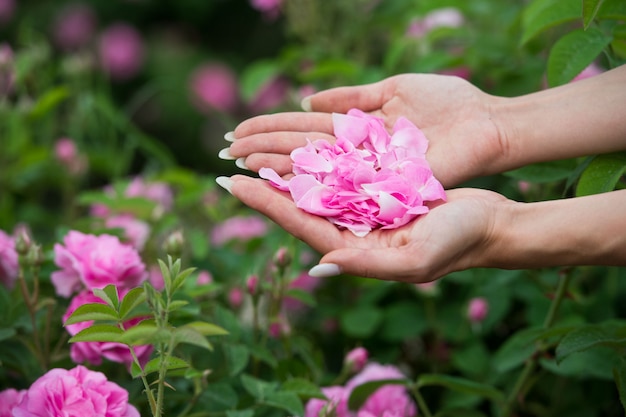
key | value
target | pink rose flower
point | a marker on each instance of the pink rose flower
(89, 261)
(477, 309)
(204, 277)
(93, 352)
(269, 8)
(136, 231)
(214, 86)
(235, 297)
(67, 154)
(368, 179)
(449, 17)
(239, 227)
(356, 359)
(337, 404)
(121, 51)
(75, 392)
(8, 260)
(7, 9)
(157, 191)
(591, 70)
(74, 27)
(9, 398)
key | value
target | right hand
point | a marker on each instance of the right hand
(455, 116)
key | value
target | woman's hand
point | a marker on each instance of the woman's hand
(454, 115)
(452, 236)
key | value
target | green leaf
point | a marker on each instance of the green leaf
(167, 277)
(543, 172)
(176, 304)
(287, 401)
(590, 10)
(207, 329)
(180, 278)
(109, 295)
(612, 9)
(93, 311)
(602, 174)
(237, 357)
(145, 333)
(610, 334)
(361, 321)
(256, 75)
(461, 385)
(402, 321)
(362, 392)
(191, 337)
(303, 388)
(619, 374)
(240, 413)
(258, 388)
(541, 15)
(98, 333)
(50, 99)
(303, 296)
(132, 299)
(573, 53)
(154, 365)
(7, 333)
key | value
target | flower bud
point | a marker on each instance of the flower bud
(23, 242)
(282, 258)
(173, 245)
(35, 255)
(477, 309)
(356, 359)
(252, 284)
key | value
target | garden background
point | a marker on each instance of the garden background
(112, 113)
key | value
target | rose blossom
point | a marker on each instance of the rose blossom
(75, 392)
(9, 398)
(214, 86)
(74, 26)
(8, 260)
(367, 179)
(238, 227)
(477, 309)
(121, 51)
(445, 17)
(135, 231)
(93, 352)
(89, 261)
(591, 70)
(356, 359)
(336, 405)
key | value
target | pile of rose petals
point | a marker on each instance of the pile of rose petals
(367, 179)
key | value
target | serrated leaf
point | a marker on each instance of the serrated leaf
(98, 333)
(191, 337)
(93, 311)
(287, 401)
(207, 329)
(109, 295)
(258, 388)
(541, 15)
(132, 299)
(610, 334)
(303, 388)
(362, 392)
(460, 385)
(573, 53)
(154, 365)
(144, 334)
(590, 10)
(602, 174)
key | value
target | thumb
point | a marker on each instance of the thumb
(367, 97)
(386, 264)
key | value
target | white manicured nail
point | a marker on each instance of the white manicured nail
(306, 104)
(225, 182)
(225, 154)
(325, 270)
(241, 163)
(230, 136)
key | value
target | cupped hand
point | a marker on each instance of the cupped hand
(452, 236)
(455, 116)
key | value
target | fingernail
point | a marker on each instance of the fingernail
(325, 270)
(225, 182)
(306, 104)
(225, 154)
(230, 136)
(241, 163)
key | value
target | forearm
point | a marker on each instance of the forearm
(582, 118)
(577, 231)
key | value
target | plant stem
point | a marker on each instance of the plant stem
(531, 364)
(423, 408)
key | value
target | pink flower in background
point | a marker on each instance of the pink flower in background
(74, 26)
(356, 359)
(279, 327)
(239, 227)
(235, 297)
(449, 17)
(121, 51)
(477, 309)
(93, 352)
(156, 191)
(135, 231)
(8, 260)
(269, 8)
(204, 277)
(7, 10)
(337, 404)
(89, 261)
(7, 71)
(304, 282)
(214, 86)
(155, 277)
(591, 70)
(75, 392)
(367, 179)
(9, 398)
(67, 154)
(252, 284)
(270, 95)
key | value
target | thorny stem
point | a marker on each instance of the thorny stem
(531, 364)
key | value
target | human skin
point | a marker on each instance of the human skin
(471, 134)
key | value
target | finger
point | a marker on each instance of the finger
(290, 121)
(279, 142)
(367, 97)
(259, 195)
